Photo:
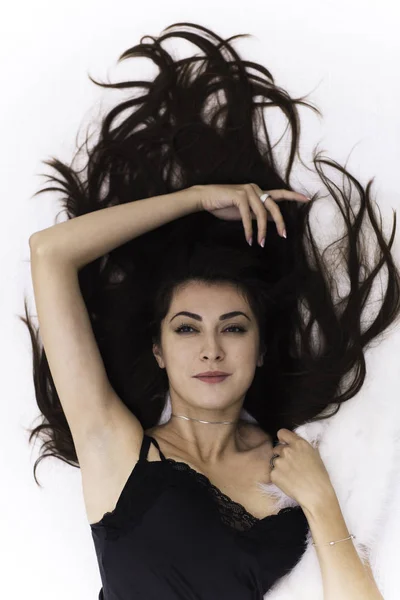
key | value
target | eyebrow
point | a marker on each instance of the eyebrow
(229, 315)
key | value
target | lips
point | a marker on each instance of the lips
(212, 374)
(212, 379)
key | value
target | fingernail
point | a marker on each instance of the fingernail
(250, 241)
(284, 233)
(262, 242)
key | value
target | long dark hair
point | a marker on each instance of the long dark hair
(175, 139)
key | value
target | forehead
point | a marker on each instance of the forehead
(206, 295)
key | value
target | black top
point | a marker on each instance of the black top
(174, 535)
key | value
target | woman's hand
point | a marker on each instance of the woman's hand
(234, 202)
(299, 470)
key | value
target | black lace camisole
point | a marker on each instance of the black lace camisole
(174, 535)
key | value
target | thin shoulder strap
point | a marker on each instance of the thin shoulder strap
(147, 439)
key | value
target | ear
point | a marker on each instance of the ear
(158, 356)
(263, 351)
(260, 361)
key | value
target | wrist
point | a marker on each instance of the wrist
(322, 503)
(196, 193)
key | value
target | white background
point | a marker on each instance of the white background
(343, 53)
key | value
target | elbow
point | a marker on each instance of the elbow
(36, 242)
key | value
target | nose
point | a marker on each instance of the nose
(213, 349)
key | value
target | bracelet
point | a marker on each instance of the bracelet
(331, 543)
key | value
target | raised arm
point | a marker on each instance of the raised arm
(90, 404)
(83, 239)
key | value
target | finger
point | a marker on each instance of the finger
(273, 211)
(244, 209)
(276, 215)
(273, 208)
(287, 195)
(260, 212)
(286, 435)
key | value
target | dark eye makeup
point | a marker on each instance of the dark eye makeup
(185, 325)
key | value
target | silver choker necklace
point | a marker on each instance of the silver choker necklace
(200, 421)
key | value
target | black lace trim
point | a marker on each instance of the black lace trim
(232, 513)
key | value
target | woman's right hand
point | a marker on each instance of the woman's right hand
(236, 201)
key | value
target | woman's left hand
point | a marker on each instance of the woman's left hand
(299, 470)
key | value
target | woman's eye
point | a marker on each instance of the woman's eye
(179, 330)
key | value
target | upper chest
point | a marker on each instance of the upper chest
(238, 480)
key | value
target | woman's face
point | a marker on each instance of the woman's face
(205, 342)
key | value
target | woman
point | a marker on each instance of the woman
(150, 286)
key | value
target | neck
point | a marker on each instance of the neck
(208, 441)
